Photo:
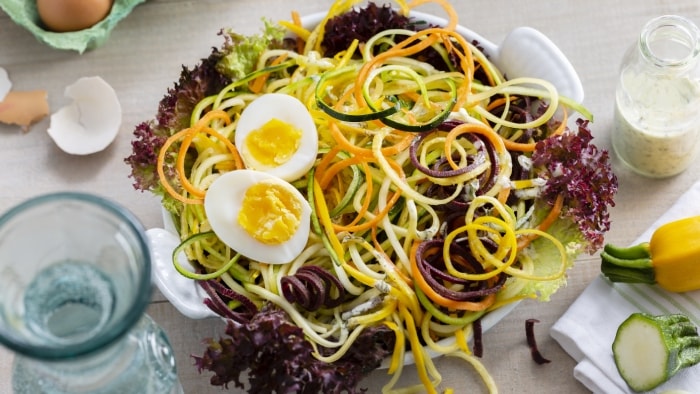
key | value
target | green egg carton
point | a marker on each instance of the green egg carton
(24, 13)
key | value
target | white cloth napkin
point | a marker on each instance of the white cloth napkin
(587, 329)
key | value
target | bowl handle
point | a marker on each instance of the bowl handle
(183, 293)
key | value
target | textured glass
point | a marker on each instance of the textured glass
(74, 285)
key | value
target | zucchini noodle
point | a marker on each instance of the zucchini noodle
(412, 160)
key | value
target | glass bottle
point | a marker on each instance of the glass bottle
(657, 103)
(75, 281)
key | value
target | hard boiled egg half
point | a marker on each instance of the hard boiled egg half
(276, 134)
(258, 215)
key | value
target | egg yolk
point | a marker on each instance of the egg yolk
(270, 213)
(274, 143)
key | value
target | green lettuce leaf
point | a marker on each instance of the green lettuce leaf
(243, 52)
(547, 258)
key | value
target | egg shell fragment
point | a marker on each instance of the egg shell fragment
(5, 84)
(223, 202)
(24, 108)
(289, 110)
(91, 122)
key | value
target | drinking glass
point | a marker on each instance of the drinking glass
(75, 281)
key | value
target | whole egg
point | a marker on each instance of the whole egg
(72, 15)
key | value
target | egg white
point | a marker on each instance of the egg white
(287, 109)
(223, 202)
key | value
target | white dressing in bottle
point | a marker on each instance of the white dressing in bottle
(657, 103)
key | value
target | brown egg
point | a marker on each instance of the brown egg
(72, 15)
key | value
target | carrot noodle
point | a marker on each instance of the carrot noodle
(451, 13)
(544, 224)
(388, 178)
(258, 83)
(296, 19)
(188, 136)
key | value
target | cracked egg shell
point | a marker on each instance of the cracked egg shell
(91, 122)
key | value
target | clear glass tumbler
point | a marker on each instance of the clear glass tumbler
(75, 281)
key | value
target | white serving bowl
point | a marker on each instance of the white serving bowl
(525, 52)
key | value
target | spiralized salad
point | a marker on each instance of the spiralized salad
(439, 191)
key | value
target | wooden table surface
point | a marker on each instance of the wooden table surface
(143, 58)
